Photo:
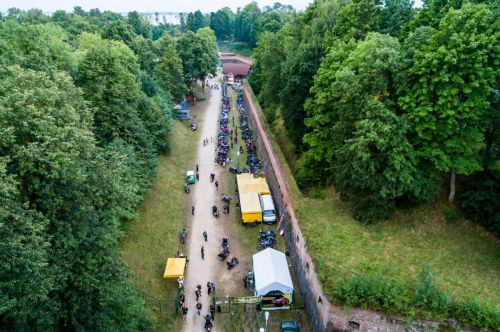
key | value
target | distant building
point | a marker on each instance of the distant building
(235, 71)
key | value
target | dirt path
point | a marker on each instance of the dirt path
(204, 195)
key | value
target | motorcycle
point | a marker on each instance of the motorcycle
(224, 253)
(225, 198)
(187, 189)
(234, 261)
(215, 211)
(208, 323)
(281, 301)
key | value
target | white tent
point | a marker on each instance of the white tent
(271, 272)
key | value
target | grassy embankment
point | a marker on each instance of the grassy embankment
(463, 258)
(153, 237)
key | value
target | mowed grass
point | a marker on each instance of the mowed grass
(153, 237)
(464, 259)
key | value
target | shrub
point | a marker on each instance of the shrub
(472, 312)
(428, 296)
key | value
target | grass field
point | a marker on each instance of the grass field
(464, 259)
(152, 238)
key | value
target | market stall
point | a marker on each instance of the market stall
(273, 282)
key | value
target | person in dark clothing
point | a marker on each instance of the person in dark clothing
(217, 185)
(192, 210)
(212, 177)
(197, 176)
(198, 308)
(197, 293)
(202, 252)
(197, 168)
(205, 236)
(212, 312)
(245, 282)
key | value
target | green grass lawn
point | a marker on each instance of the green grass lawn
(152, 238)
(464, 259)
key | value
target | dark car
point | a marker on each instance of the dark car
(289, 326)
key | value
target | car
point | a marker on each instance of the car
(289, 326)
(190, 177)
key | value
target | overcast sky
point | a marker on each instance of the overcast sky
(142, 5)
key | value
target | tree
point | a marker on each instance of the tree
(119, 30)
(245, 21)
(198, 53)
(394, 15)
(139, 24)
(447, 91)
(50, 150)
(357, 19)
(265, 77)
(168, 71)
(40, 47)
(195, 21)
(357, 139)
(222, 23)
(25, 278)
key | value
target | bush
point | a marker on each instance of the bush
(428, 296)
(370, 209)
(480, 199)
(472, 312)
(374, 291)
(452, 215)
(383, 293)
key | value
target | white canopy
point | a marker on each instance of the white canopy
(271, 272)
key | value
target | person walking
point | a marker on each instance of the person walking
(202, 252)
(198, 294)
(197, 168)
(209, 287)
(212, 177)
(197, 176)
(205, 236)
(217, 185)
(192, 210)
(184, 311)
(212, 311)
(198, 308)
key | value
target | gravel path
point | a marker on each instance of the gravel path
(204, 195)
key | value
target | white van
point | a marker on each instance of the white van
(268, 211)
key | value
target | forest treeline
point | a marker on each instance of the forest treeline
(85, 107)
(245, 26)
(391, 104)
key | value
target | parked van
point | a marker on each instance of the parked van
(268, 211)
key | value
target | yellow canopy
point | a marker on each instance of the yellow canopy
(250, 203)
(247, 183)
(175, 268)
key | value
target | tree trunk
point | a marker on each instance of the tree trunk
(452, 185)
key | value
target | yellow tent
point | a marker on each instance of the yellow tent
(175, 268)
(247, 183)
(250, 208)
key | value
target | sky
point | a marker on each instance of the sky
(205, 6)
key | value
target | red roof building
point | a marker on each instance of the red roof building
(239, 70)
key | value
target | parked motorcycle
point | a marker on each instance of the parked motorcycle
(232, 263)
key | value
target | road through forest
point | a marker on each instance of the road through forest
(204, 196)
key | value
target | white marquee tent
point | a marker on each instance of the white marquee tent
(271, 272)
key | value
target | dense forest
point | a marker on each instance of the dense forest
(85, 107)
(393, 105)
